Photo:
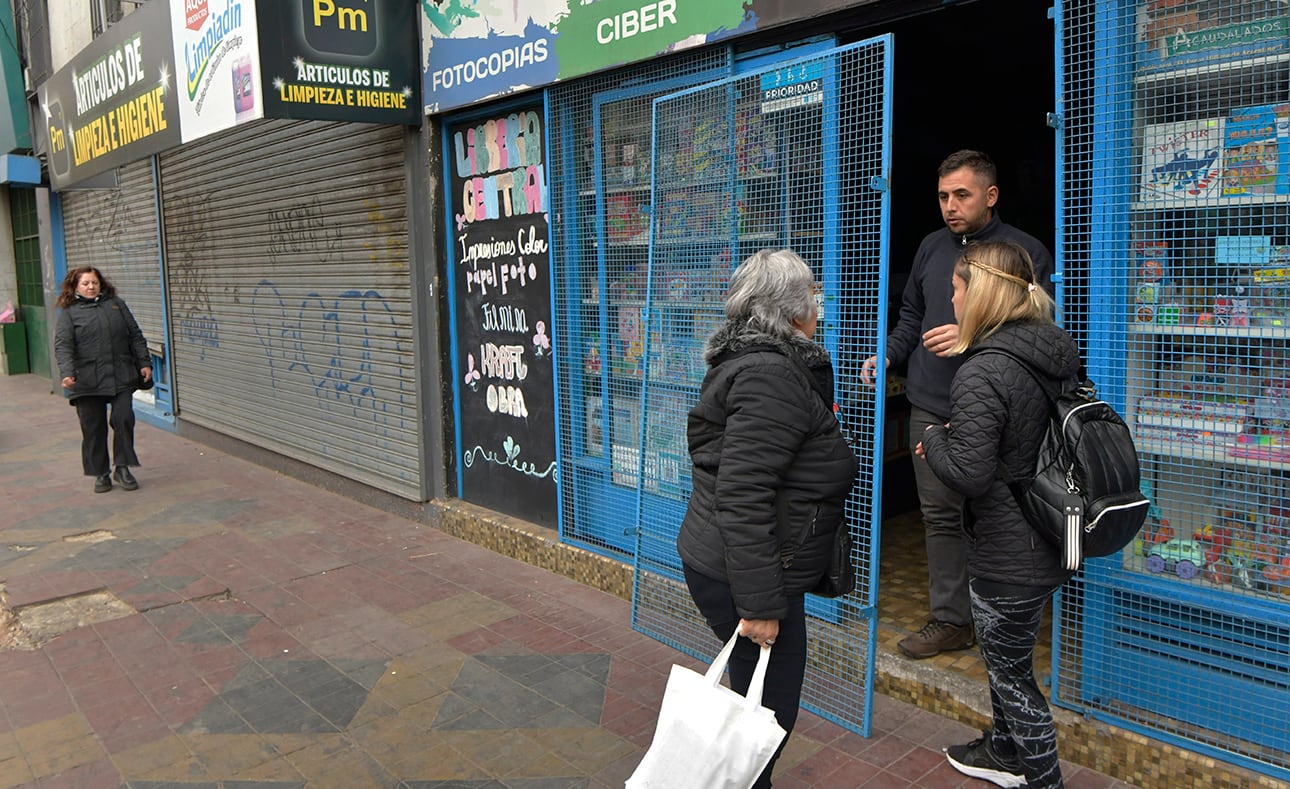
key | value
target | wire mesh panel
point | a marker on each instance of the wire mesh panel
(1177, 255)
(600, 187)
(791, 156)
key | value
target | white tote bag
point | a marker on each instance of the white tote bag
(708, 736)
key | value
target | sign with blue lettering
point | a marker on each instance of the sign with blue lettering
(792, 87)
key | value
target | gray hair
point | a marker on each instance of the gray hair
(771, 289)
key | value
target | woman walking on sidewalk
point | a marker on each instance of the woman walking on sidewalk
(103, 359)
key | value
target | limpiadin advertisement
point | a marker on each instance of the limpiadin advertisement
(219, 64)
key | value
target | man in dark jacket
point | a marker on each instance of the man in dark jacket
(968, 190)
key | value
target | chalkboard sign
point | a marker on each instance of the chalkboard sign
(501, 271)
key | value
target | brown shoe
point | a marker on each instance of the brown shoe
(937, 637)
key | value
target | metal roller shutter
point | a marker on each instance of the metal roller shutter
(290, 296)
(116, 230)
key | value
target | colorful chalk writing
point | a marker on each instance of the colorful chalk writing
(502, 311)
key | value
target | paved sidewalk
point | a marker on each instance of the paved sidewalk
(225, 625)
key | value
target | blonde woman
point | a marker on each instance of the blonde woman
(999, 413)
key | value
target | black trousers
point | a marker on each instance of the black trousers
(1007, 619)
(94, 415)
(783, 689)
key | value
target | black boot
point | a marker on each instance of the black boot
(102, 483)
(126, 479)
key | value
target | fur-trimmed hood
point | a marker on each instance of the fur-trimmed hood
(739, 335)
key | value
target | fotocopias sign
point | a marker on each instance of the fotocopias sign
(474, 50)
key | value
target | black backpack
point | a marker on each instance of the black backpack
(1086, 496)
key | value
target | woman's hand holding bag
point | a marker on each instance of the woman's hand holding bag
(708, 736)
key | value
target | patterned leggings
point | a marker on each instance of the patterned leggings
(1007, 621)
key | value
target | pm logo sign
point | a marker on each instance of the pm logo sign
(341, 27)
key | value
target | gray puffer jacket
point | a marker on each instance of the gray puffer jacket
(99, 344)
(771, 469)
(998, 418)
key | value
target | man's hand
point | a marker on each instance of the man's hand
(69, 382)
(145, 373)
(868, 370)
(941, 339)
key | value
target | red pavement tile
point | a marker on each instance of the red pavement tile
(477, 641)
(172, 621)
(267, 640)
(321, 592)
(628, 718)
(829, 767)
(173, 671)
(944, 775)
(916, 764)
(24, 670)
(212, 660)
(178, 703)
(80, 677)
(103, 691)
(38, 705)
(390, 597)
(285, 609)
(883, 780)
(243, 579)
(126, 724)
(887, 749)
(24, 590)
(128, 634)
(80, 646)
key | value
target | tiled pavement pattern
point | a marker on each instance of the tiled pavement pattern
(229, 626)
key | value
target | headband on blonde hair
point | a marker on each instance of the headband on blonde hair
(1029, 286)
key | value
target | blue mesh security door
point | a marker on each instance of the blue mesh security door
(1176, 248)
(794, 156)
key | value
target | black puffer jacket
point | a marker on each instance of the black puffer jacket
(998, 418)
(771, 470)
(100, 345)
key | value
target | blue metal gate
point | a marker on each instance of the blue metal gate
(1176, 246)
(794, 155)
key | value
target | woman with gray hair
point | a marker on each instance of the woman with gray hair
(771, 476)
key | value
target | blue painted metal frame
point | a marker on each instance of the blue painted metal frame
(162, 414)
(1113, 672)
(612, 499)
(830, 275)
(605, 527)
(1118, 666)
